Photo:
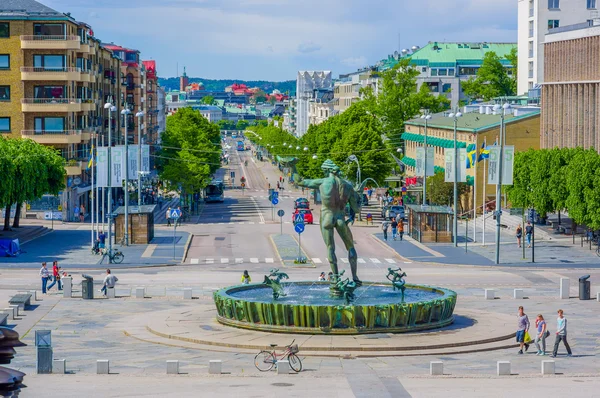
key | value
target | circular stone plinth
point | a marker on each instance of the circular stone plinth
(308, 309)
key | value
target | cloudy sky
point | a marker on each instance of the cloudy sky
(273, 39)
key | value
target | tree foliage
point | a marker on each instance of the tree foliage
(208, 100)
(190, 152)
(492, 78)
(242, 125)
(440, 192)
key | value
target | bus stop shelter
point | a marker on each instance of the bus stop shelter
(430, 223)
(141, 223)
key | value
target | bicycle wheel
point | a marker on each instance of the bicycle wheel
(295, 363)
(264, 361)
(118, 258)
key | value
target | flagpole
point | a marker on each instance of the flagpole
(102, 189)
(484, 200)
(475, 192)
(92, 192)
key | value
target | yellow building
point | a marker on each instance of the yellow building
(54, 80)
(477, 126)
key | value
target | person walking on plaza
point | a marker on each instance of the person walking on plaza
(76, 213)
(394, 227)
(561, 334)
(55, 277)
(44, 274)
(542, 333)
(246, 278)
(519, 235)
(168, 215)
(81, 213)
(322, 277)
(101, 240)
(401, 228)
(522, 328)
(528, 233)
(109, 282)
(385, 225)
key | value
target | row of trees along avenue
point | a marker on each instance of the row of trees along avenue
(551, 180)
(29, 171)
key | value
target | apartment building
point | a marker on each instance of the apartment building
(535, 19)
(54, 79)
(306, 83)
(346, 89)
(571, 90)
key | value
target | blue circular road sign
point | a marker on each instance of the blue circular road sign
(281, 213)
(299, 228)
(275, 201)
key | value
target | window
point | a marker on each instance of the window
(424, 69)
(4, 125)
(5, 29)
(590, 4)
(530, 49)
(49, 92)
(4, 61)
(443, 72)
(451, 72)
(467, 71)
(48, 29)
(553, 4)
(434, 72)
(552, 23)
(4, 93)
(530, 29)
(49, 61)
(49, 124)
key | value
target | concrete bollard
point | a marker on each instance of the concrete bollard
(4, 321)
(10, 311)
(111, 292)
(59, 366)
(102, 367)
(490, 294)
(187, 293)
(215, 367)
(518, 294)
(565, 286)
(140, 292)
(34, 296)
(67, 282)
(548, 367)
(172, 367)
(15, 308)
(283, 367)
(503, 368)
(436, 368)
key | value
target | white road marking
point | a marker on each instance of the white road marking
(375, 261)
(408, 262)
(251, 222)
(390, 260)
(268, 260)
(260, 215)
(317, 261)
(224, 260)
(361, 260)
(262, 223)
(345, 260)
(239, 260)
(254, 260)
(194, 261)
(210, 261)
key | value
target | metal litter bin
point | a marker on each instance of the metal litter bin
(87, 287)
(584, 288)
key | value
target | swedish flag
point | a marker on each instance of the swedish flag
(91, 161)
(471, 155)
(485, 152)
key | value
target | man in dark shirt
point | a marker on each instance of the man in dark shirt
(528, 233)
(101, 239)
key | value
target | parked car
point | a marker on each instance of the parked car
(393, 211)
(301, 203)
(306, 213)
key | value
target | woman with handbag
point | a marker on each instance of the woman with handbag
(542, 333)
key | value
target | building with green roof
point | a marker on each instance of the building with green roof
(443, 66)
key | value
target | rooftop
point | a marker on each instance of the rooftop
(472, 121)
(29, 9)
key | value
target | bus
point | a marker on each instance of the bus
(214, 192)
(240, 145)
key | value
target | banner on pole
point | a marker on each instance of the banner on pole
(420, 161)
(450, 167)
(102, 167)
(117, 165)
(133, 162)
(146, 158)
(507, 165)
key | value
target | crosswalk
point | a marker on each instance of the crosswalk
(271, 260)
(245, 223)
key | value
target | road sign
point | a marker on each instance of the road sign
(275, 194)
(281, 213)
(232, 174)
(175, 213)
(299, 228)
(299, 218)
(404, 189)
(243, 185)
(275, 201)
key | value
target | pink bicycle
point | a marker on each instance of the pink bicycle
(265, 360)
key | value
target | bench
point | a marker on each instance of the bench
(22, 300)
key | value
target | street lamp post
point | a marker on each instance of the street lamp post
(110, 108)
(503, 110)
(425, 117)
(455, 116)
(139, 115)
(126, 112)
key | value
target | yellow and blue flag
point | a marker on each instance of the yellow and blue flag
(485, 151)
(471, 155)
(91, 161)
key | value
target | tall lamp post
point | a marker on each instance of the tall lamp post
(502, 110)
(110, 108)
(353, 158)
(455, 116)
(425, 117)
(139, 115)
(126, 112)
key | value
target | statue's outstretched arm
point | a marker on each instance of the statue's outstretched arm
(316, 183)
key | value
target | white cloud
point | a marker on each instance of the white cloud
(308, 47)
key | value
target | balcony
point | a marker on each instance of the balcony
(85, 75)
(59, 42)
(64, 137)
(29, 73)
(74, 167)
(88, 105)
(50, 105)
(84, 48)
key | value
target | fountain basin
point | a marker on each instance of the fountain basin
(308, 309)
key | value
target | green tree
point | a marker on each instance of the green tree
(440, 192)
(190, 151)
(242, 124)
(492, 79)
(583, 184)
(520, 193)
(513, 58)
(208, 100)
(226, 124)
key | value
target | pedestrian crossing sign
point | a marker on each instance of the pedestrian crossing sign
(175, 213)
(299, 218)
